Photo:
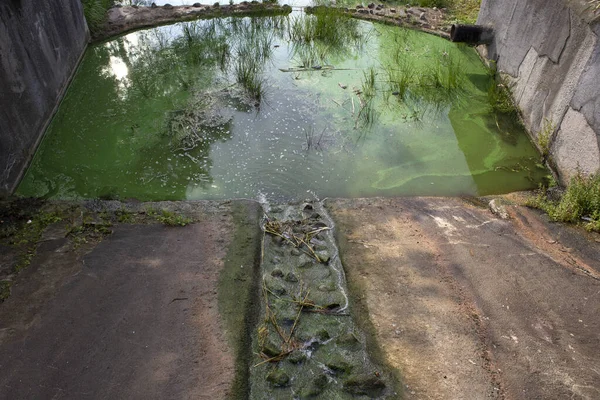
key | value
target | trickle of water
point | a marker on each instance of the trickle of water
(307, 344)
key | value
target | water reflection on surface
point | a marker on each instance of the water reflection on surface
(284, 106)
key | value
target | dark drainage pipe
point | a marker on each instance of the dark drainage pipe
(471, 34)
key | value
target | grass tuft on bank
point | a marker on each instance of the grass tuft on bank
(580, 202)
(462, 11)
(95, 13)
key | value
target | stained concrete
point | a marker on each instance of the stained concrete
(455, 300)
(41, 43)
(470, 306)
(135, 318)
(549, 52)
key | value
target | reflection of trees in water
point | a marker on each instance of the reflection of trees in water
(420, 80)
(184, 69)
(315, 39)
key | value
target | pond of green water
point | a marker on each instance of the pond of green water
(285, 107)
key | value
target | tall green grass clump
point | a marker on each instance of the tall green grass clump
(95, 13)
(253, 50)
(430, 3)
(579, 202)
(544, 139)
(327, 25)
(464, 11)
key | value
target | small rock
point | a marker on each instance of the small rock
(366, 385)
(363, 11)
(327, 287)
(498, 209)
(305, 261)
(347, 339)
(296, 357)
(275, 286)
(338, 365)
(278, 378)
(277, 273)
(270, 349)
(422, 17)
(316, 388)
(371, 5)
(393, 10)
(291, 277)
(324, 256)
(322, 335)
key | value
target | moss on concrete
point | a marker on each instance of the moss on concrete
(238, 291)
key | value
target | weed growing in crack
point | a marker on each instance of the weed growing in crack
(580, 202)
(169, 218)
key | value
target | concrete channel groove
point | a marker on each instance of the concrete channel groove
(306, 343)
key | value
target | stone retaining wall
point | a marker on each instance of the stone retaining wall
(550, 53)
(41, 43)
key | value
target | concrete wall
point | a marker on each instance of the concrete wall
(550, 52)
(41, 43)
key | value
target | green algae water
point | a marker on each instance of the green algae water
(279, 107)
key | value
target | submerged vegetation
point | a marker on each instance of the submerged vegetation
(580, 202)
(176, 104)
(327, 33)
(420, 86)
(253, 49)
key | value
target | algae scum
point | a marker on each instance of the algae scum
(279, 106)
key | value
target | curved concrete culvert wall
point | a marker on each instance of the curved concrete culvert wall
(550, 53)
(41, 43)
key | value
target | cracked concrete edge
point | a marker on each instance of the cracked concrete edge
(552, 80)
